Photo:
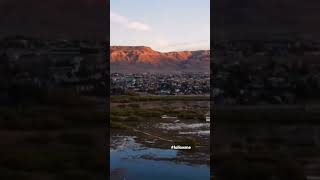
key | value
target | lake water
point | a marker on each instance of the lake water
(127, 161)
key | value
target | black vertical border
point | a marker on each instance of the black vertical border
(211, 92)
(107, 55)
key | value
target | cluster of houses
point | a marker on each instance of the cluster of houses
(161, 84)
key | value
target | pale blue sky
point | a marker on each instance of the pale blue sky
(164, 25)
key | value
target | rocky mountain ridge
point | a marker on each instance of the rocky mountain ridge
(142, 58)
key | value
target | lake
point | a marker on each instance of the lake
(128, 161)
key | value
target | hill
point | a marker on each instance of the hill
(145, 59)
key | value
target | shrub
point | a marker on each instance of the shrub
(133, 118)
(148, 113)
(122, 106)
(121, 112)
(134, 105)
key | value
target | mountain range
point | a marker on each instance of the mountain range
(144, 59)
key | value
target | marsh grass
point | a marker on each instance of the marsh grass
(139, 114)
(127, 99)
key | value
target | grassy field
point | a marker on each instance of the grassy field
(126, 109)
(127, 99)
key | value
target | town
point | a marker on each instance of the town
(160, 84)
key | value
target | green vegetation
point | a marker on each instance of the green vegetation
(149, 113)
(134, 118)
(187, 142)
(135, 112)
(132, 98)
(134, 105)
(191, 114)
(122, 106)
(115, 118)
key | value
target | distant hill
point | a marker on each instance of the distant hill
(145, 59)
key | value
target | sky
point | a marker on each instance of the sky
(163, 25)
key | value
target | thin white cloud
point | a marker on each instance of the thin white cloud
(127, 23)
(165, 46)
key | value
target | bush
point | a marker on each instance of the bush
(133, 118)
(124, 101)
(122, 106)
(121, 112)
(191, 115)
(134, 105)
(148, 113)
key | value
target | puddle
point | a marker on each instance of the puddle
(201, 133)
(182, 126)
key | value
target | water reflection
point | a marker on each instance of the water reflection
(132, 161)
